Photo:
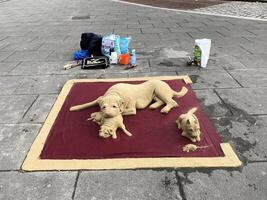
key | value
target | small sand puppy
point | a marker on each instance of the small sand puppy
(188, 122)
(109, 126)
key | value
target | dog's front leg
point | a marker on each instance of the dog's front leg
(96, 117)
(122, 126)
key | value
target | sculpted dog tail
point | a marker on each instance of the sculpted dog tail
(182, 92)
(83, 106)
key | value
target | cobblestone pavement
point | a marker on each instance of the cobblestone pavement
(38, 36)
(239, 9)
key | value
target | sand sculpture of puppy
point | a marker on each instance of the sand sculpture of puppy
(189, 123)
(130, 97)
(109, 126)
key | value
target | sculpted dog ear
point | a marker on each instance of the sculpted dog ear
(100, 100)
(178, 122)
(121, 104)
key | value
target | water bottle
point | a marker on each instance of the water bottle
(133, 58)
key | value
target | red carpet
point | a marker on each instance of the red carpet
(154, 134)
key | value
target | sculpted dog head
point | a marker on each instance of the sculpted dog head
(111, 105)
(189, 124)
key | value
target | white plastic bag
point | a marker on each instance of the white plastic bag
(204, 45)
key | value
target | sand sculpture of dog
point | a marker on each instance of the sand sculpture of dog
(109, 126)
(127, 98)
(189, 124)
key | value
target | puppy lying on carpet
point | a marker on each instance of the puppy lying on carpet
(109, 126)
(189, 123)
(130, 97)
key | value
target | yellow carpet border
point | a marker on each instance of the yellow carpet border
(33, 163)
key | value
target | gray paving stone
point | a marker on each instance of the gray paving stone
(40, 109)
(3, 45)
(147, 74)
(251, 100)
(250, 183)
(113, 75)
(204, 79)
(155, 30)
(250, 77)
(178, 35)
(233, 66)
(5, 54)
(144, 37)
(5, 68)
(19, 39)
(31, 46)
(28, 56)
(42, 84)
(127, 31)
(254, 61)
(141, 184)
(8, 84)
(41, 68)
(246, 134)
(56, 55)
(68, 45)
(45, 185)
(14, 107)
(211, 103)
(15, 141)
(140, 25)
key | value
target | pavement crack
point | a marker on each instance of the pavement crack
(226, 105)
(180, 185)
(30, 107)
(75, 185)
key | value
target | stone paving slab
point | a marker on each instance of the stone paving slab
(5, 54)
(51, 185)
(40, 108)
(27, 56)
(254, 61)
(141, 184)
(246, 134)
(147, 74)
(249, 183)
(15, 141)
(29, 46)
(5, 68)
(9, 84)
(251, 77)
(211, 103)
(211, 79)
(40, 68)
(42, 84)
(251, 100)
(13, 107)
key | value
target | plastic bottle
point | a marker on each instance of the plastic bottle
(133, 58)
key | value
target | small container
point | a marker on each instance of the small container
(133, 58)
(124, 59)
(114, 58)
